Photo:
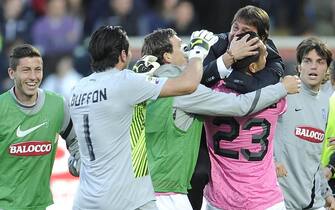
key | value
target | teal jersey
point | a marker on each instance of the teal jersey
(172, 152)
(28, 143)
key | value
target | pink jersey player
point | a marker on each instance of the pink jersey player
(243, 172)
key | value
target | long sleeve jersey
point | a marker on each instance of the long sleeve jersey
(243, 173)
(169, 141)
(298, 144)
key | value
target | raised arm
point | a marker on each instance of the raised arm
(186, 83)
(217, 66)
(274, 70)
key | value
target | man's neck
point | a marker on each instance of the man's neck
(25, 100)
(120, 65)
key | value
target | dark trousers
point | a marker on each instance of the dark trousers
(200, 176)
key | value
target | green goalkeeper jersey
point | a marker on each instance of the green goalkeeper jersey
(28, 143)
(172, 152)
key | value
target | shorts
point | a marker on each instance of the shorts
(175, 202)
(151, 205)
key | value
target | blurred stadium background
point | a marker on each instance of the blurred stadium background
(61, 30)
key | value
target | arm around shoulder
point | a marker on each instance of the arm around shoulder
(186, 83)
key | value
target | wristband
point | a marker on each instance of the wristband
(231, 55)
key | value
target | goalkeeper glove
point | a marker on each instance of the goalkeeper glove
(185, 49)
(147, 64)
(201, 42)
(74, 159)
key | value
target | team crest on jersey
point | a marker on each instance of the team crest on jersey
(30, 148)
(153, 80)
(324, 114)
(310, 134)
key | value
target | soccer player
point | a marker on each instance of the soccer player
(300, 132)
(31, 121)
(217, 66)
(173, 125)
(101, 107)
(243, 173)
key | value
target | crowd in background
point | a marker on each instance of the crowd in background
(60, 28)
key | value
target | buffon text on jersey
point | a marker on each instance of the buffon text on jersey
(90, 97)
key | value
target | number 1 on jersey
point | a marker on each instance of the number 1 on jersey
(88, 137)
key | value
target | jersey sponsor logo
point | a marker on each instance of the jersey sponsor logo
(30, 148)
(310, 134)
(22, 133)
(297, 109)
(153, 80)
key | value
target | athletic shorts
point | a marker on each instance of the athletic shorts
(151, 205)
(175, 202)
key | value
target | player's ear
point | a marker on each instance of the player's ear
(11, 73)
(299, 68)
(123, 56)
(167, 57)
(253, 67)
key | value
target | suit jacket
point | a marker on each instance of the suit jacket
(240, 81)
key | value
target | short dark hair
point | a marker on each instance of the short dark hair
(157, 43)
(257, 17)
(314, 43)
(22, 51)
(243, 64)
(105, 47)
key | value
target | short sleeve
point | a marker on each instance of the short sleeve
(143, 87)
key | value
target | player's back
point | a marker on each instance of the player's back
(242, 167)
(101, 108)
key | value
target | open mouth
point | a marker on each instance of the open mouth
(313, 75)
(31, 85)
